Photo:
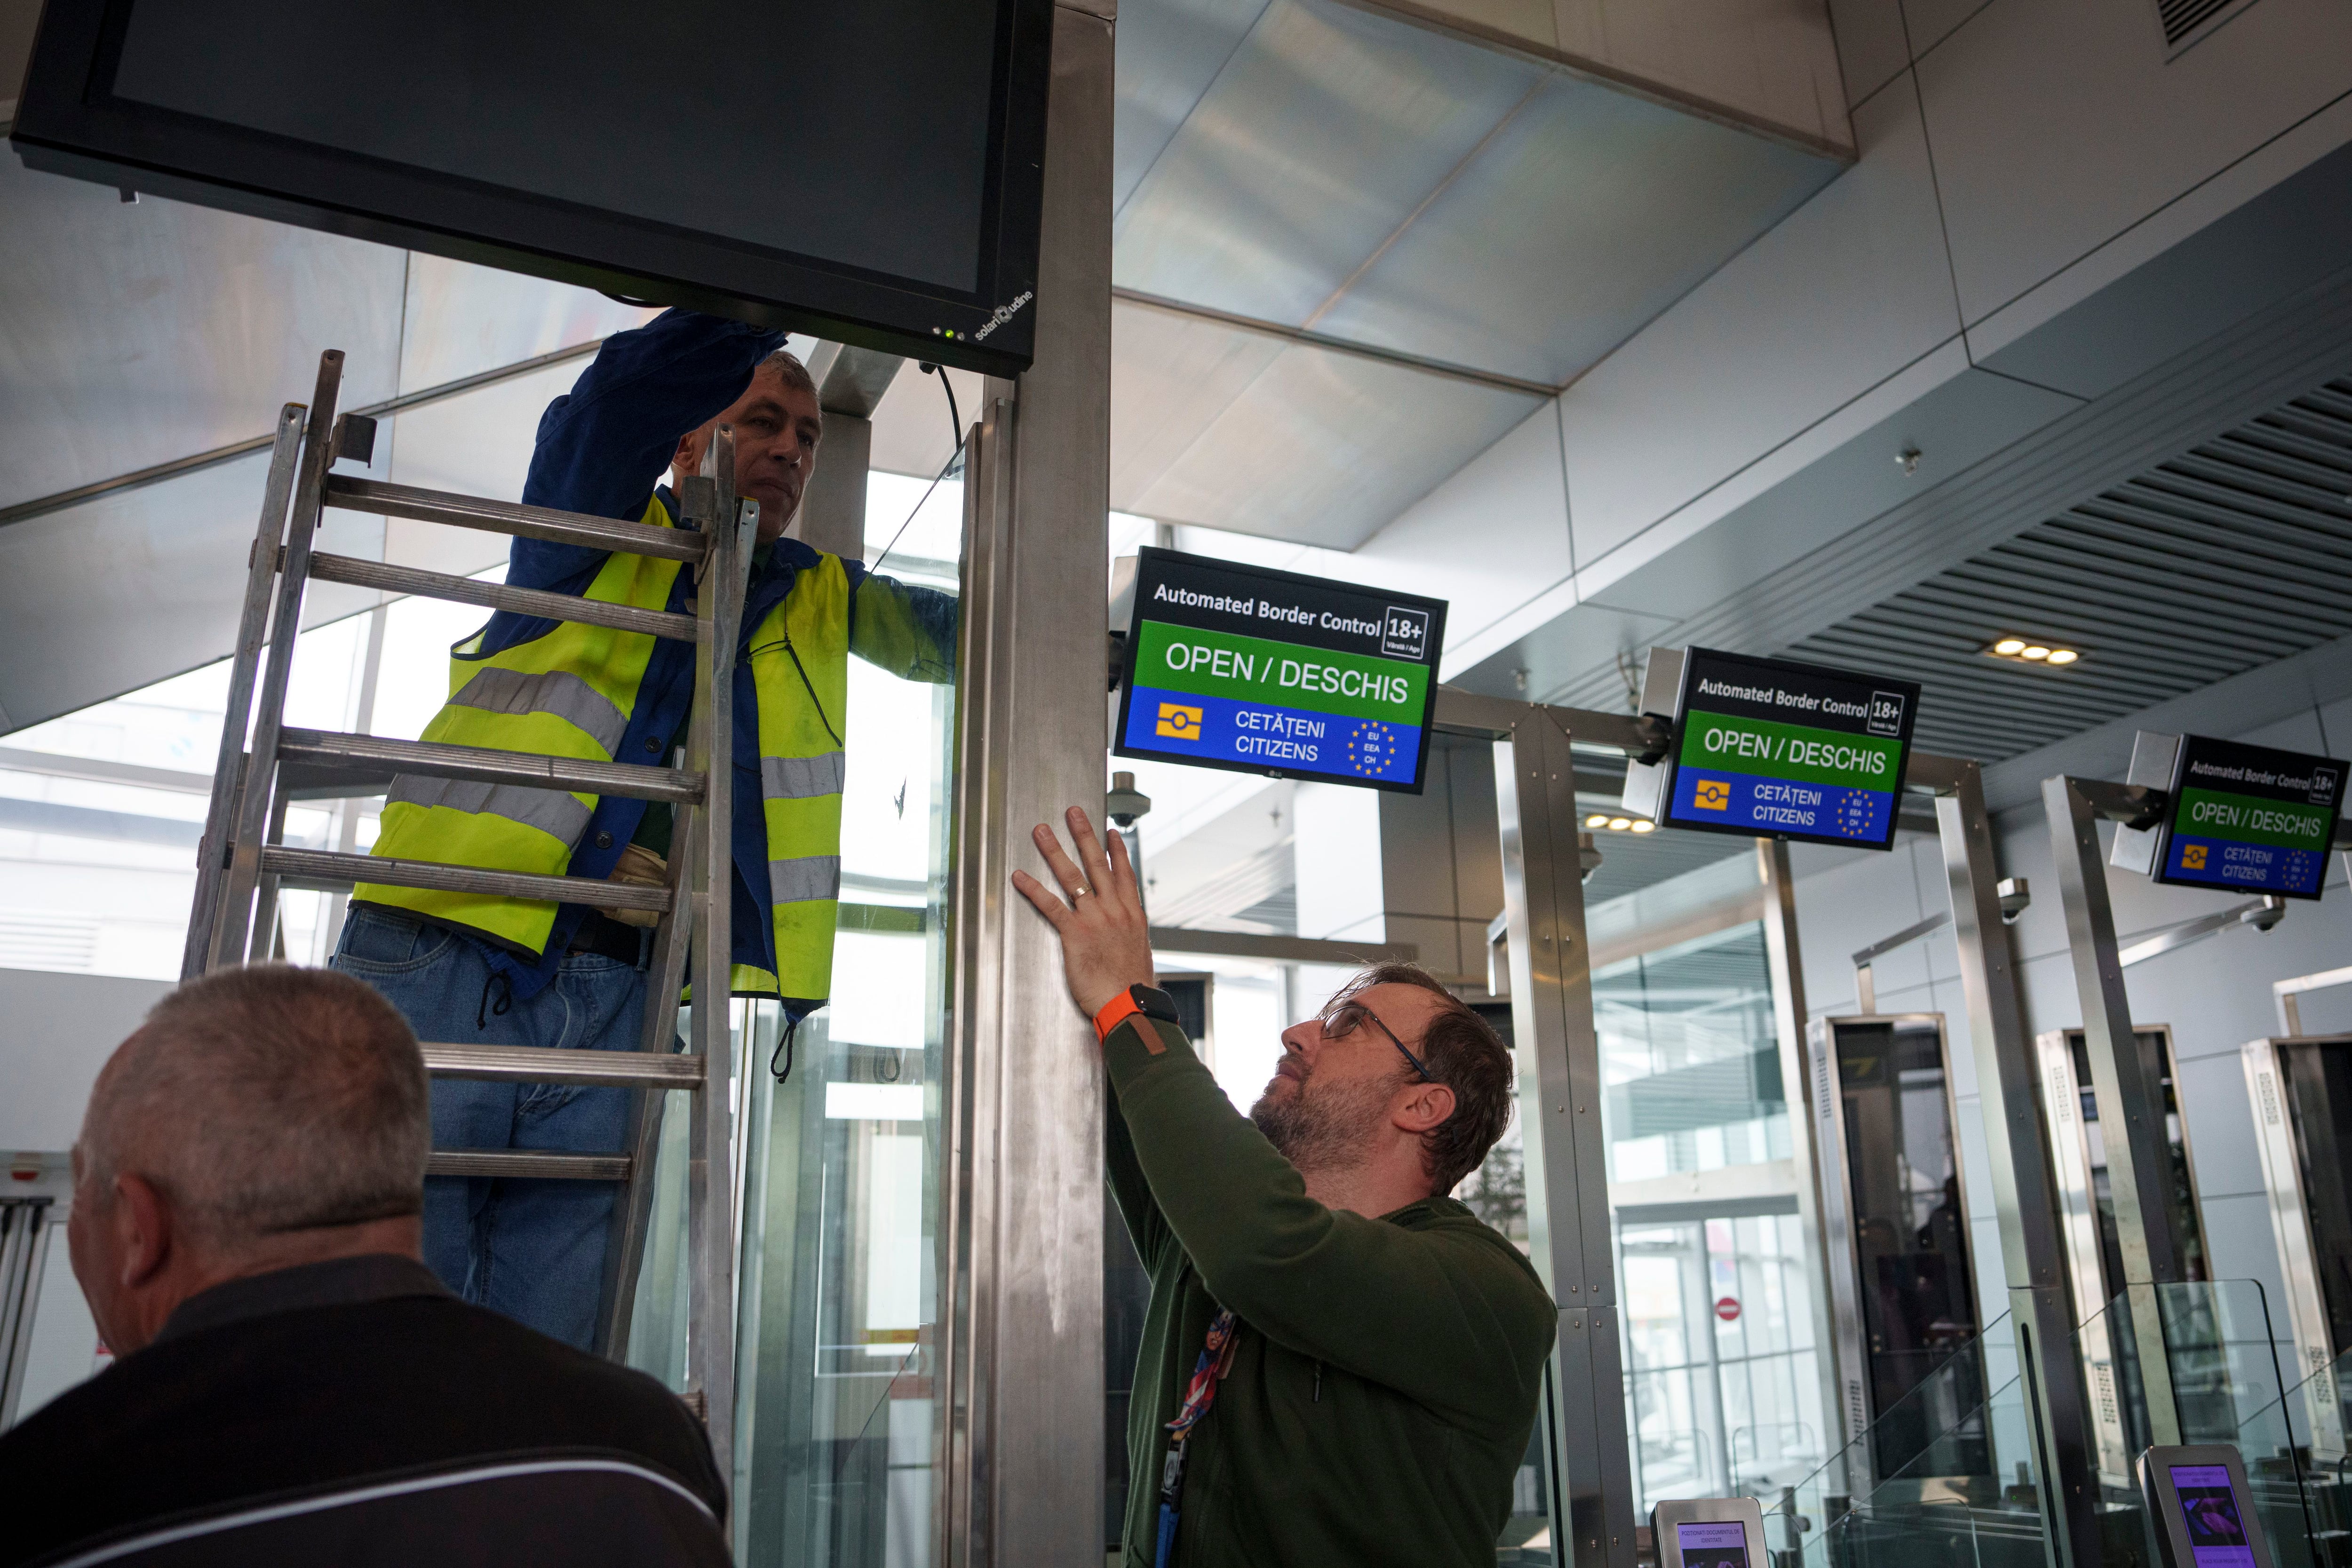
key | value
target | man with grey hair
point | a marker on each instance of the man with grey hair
(291, 1382)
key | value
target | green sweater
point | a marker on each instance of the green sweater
(1386, 1371)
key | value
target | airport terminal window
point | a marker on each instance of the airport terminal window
(1722, 1390)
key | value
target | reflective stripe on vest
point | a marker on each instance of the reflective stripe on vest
(572, 692)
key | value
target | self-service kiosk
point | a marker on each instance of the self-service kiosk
(1709, 1532)
(2301, 1090)
(1895, 1232)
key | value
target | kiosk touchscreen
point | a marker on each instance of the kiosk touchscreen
(1709, 1532)
(2200, 1508)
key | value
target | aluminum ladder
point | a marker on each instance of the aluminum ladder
(244, 862)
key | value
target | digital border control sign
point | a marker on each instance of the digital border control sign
(2249, 819)
(1273, 673)
(1765, 747)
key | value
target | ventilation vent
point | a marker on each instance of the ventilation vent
(2187, 21)
(47, 939)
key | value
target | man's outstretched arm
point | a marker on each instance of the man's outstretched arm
(604, 445)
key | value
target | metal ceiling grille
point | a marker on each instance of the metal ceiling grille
(2182, 19)
(2232, 555)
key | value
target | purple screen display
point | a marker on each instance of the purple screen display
(2210, 1507)
(1717, 1544)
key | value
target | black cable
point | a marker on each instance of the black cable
(945, 468)
(630, 299)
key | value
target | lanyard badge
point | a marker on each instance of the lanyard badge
(1216, 1360)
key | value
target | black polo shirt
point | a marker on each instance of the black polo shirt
(355, 1412)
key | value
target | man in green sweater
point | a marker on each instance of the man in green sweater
(1340, 1363)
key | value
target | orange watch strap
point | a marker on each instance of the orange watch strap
(1115, 1012)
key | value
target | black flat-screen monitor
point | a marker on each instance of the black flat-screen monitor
(865, 174)
(2249, 818)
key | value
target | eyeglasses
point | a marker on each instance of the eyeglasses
(1342, 1020)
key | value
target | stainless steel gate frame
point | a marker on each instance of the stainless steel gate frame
(1553, 1013)
(1848, 1342)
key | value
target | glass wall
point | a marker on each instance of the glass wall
(1722, 1393)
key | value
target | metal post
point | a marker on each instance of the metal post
(1789, 1017)
(1559, 1112)
(710, 1164)
(2033, 1246)
(2131, 1106)
(1018, 1433)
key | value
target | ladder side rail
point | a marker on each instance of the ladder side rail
(710, 1326)
(265, 940)
(244, 871)
(229, 766)
(624, 1251)
(353, 494)
(534, 602)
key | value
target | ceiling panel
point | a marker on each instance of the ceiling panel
(135, 333)
(1587, 215)
(1324, 131)
(108, 597)
(1170, 377)
(1319, 446)
(460, 319)
(2232, 555)
(1169, 53)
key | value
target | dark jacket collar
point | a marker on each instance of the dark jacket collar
(339, 1282)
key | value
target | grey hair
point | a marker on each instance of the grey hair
(788, 366)
(265, 1099)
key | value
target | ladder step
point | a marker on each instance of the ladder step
(498, 596)
(527, 1163)
(373, 756)
(505, 517)
(329, 869)
(539, 1064)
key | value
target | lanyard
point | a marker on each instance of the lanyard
(1216, 1360)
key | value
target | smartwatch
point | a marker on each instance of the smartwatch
(1144, 999)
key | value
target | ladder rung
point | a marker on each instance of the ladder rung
(540, 1064)
(333, 868)
(372, 754)
(498, 596)
(505, 517)
(527, 1163)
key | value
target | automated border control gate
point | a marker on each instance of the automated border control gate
(1559, 1099)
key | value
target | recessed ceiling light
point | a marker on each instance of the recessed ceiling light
(1598, 819)
(1645, 827)
(1620, 824)
(2025, 652)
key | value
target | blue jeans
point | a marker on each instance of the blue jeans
(533, 1249)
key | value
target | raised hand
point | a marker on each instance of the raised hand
(1105, 941)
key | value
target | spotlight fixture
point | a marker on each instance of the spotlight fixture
(2026, 651)
(1598, 819)
(1620, 824)
(1645, 827)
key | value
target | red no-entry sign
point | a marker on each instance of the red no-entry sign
(1728, 1308)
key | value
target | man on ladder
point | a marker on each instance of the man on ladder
(501, 970)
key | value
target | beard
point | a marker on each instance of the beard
(1327, 1128)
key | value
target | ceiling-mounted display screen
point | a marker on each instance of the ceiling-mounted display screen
(2249, 818)
(1763, 746)
(1270, 672)
(867, 174)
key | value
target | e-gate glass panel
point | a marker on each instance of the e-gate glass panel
(1721, 1387)
(1895, 1226)
(2188, 1228)
(2302, 1094)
